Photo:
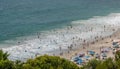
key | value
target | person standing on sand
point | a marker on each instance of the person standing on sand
(84, 41)
(60, 48)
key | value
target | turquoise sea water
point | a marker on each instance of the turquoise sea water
(26, 17)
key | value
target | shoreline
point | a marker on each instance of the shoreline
(71, 37)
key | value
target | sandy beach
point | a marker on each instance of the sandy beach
(99, 43)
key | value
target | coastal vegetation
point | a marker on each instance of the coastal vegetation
(42, 62)
(55, 62)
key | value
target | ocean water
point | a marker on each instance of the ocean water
(27, 17)
(23, 20)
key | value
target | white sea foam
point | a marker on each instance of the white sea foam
(50, 42)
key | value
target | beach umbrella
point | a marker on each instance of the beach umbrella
(80, 61)
(105, 50)
(81, 54)
(114, 43)
(91, 52)
(116, 46)
(97, 56)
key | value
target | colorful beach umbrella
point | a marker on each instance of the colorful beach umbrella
(81, 54)
(80, 61)
(105, 50)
